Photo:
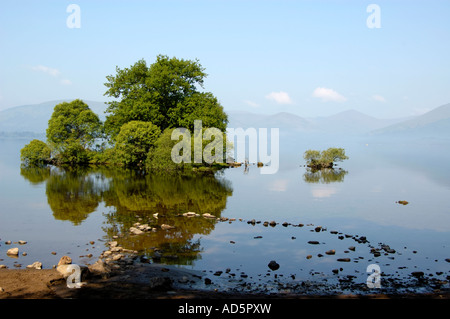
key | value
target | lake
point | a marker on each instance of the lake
(64, 211)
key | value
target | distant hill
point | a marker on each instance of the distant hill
(34, 118)
(347, 122)
(281, 120)
(352, 122)
(435, 123)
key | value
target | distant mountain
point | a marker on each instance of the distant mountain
(282, 120)
(352, 122)
(347, 122)
(34, 118)
(435, 123)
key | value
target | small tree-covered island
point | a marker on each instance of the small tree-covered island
(149, 102)
(317, 160)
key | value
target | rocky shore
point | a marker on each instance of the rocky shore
(121, 273)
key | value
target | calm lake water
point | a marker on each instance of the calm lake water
(62, 211)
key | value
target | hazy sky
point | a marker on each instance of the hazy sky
(310, 58)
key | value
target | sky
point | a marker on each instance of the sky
(387, 59)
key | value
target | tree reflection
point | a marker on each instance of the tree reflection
(324, 176)
(35, 174)
(131, 197)
(72, 194)
(137, 197)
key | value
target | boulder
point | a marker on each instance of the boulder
(273, 265)
(35, 265)
(13, 251)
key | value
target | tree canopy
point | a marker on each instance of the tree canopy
(148, 100)
(166, 93)
(73, 121)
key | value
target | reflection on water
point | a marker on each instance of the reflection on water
(73, 194)
(324, 176)
(102, 205)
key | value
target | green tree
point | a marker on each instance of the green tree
(312, 156)
(134, 142)
(333, 155)
(165, 93)
(35, 153)
(324, 159)
(74, 122)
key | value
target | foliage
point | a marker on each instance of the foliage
(134, 141)
(160, 156)
(35, 153)
(72, 153)
(324, 159)
(73, 122)
(165, 93)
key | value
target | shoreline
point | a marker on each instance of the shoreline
(136, 280)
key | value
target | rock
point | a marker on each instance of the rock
(207, 215)
(352, 248)
(335, 271)
(117, 257)
(112, 243)
(99, 268)
(53, 252)
(8, 242)
(189, 214)
(417, 274)
(22, 242)
(3, 267)
(65, 260)
(313, 242)
(309, 257)
(135, 231)
(330, 252)
(273, 223)
(318, 228)
(447, 260)
(35, 265)
(166, 227)
(13, 251)
(346, 260)
(273, 265)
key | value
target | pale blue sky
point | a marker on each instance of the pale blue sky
(311, 58)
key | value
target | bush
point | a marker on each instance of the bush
(35, 153)
(134, 141)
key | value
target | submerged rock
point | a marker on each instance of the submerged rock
(273, 265)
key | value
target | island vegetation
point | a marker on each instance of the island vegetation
(326, 159)
(149, 102)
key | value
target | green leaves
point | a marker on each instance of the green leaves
(73, 121)
(324, 159)
(134, 141)
(35, 153)
(165, 93)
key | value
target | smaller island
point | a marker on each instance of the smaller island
(317, 160)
